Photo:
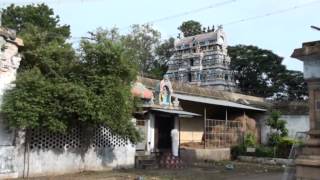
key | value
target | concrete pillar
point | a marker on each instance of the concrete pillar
(308, 163)
(150, 133)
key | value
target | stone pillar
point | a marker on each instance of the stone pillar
(308, 163)
(9, 63)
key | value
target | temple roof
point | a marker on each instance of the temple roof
(197, 38)
(176, 112)
(187, 89)
(218, 102)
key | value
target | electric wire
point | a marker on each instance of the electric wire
(280, 11)
(216, 5)
(268, 14)
(219, 4)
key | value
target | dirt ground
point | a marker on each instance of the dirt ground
(198, 171)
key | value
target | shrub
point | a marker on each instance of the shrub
(249, 140)
(237, 151)
(264, 151)
(278, 127)
(284, 147)
(281, 150)
(274, 139)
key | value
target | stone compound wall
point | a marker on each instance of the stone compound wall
(41, 153)
(190, 155)
(52, 154)
(263, 160)
(295, 123)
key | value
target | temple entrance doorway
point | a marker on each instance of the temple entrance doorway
(163, 126)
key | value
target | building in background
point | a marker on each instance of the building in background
(208, 122)
(203, 60)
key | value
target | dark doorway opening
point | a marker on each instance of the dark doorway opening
(163, 125)
(191, 62)
(189, 77)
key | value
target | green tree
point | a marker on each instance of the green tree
(278, 128)
(295, 86)
(56, 89)
(107, 71)
(165, 50)
(258, 71)
(190, 28)
(40, 29)
(143, 40)
(146, 49)
(40, 15)
(163, 53)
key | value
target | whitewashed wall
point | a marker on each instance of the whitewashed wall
(51, 162)
(21, 161)
(295, 123)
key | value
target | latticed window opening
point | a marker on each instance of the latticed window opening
(104, 138)
(44, 139)
(222, 133)
(101, 137)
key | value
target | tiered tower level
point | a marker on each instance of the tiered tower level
(203, 60)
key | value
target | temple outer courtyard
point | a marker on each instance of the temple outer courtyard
(198, 171)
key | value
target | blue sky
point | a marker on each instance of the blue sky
(280, 33)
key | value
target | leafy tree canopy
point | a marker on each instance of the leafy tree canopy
(295, 87)
(163, 53)
(190, 28)
(259, 72)
(40, 15)
(148, 50)
(56, 89)
(143, 39)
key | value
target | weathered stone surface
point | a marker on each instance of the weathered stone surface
(262, 160)
(7, 162)
(51, 162)
(217, 154)
(9, 63)
(307, 173)
(308, 164)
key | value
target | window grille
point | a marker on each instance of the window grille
(100, 138)
(222, 133)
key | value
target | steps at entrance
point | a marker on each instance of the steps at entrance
(162, 160)
(167, 160)
(146, 162)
